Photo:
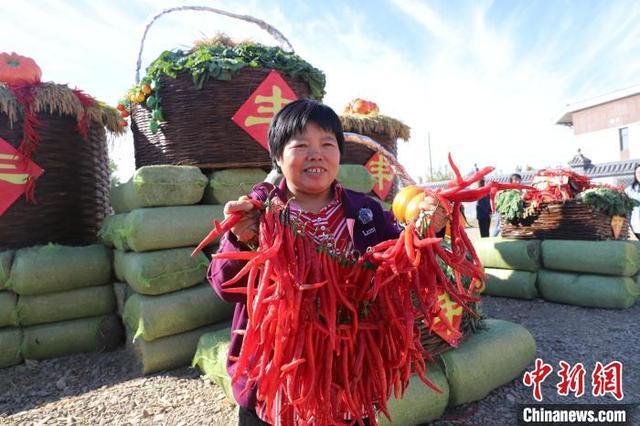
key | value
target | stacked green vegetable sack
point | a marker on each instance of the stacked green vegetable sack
(511, 266)
(161, 214)
(599, 274)
(161, 291)
(55, 301)
(493, 356)
(230, 184)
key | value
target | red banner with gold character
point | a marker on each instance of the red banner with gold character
(446, 324)
(380, 169)
(14, 175)
(255, 115)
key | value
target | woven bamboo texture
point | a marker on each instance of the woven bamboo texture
(198, 129)
(385, 130)
(568, 220)
(435, 345)
(358, 153)
(72, 193)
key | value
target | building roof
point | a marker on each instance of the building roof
(623, 170)
(567, 117)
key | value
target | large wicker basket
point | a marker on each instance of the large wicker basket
(380, 128)
(72, 195)
(198, 129)
(360, 154)
(564, 220)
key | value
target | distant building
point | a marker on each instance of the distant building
(607, 127)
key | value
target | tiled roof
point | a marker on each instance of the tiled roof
(620, 169)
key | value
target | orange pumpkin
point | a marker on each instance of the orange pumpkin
(16, 69)
(372, 108)
(406, 203)
(361, 106)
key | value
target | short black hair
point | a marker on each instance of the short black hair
(635, 184)
(291, 120)
(514, 177)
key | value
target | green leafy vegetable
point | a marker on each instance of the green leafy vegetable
(510, 205)
(609, 201)
(221, 61)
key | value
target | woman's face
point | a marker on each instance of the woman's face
(310, 161)
(637, 172)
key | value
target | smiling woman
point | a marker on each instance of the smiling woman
(310, 164)
(306, 142)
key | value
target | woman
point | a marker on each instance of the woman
(633, 192)
(305, 145)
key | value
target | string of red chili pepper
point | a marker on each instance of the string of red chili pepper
(25, 96)
(86, 101)
(559, 185)
(334, 338)
(310, 313)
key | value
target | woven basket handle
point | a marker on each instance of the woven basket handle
(399, 170)
(281, 39)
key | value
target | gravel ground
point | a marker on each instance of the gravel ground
(101, 389)
(562, 332)
(104, 389)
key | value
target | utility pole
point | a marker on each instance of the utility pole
(430, 164)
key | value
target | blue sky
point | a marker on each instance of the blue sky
(486, 79)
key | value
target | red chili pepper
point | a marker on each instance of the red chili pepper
(292, 365)
(221, 228)
(235, 255)
(354, 322)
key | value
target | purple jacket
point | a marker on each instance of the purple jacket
(364, 230)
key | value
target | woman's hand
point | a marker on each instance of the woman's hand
(432, 206)
(246, 230)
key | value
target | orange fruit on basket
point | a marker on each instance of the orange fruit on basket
(402, 199)
(18, 69)
(362, 107)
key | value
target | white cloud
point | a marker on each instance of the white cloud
(472, 89)
(429, 19)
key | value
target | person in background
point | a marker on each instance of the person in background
(483, 213)
(514, 178)
(633, 192)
